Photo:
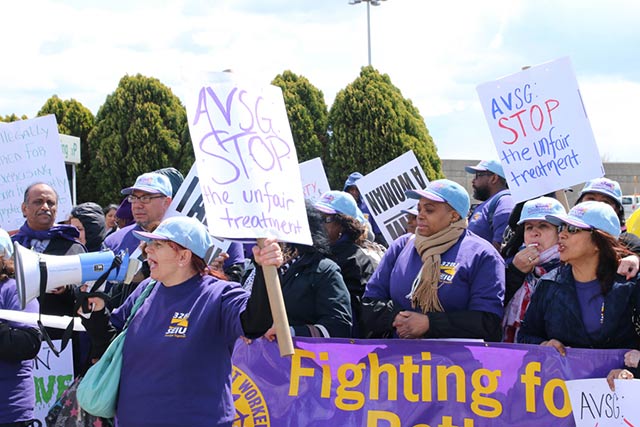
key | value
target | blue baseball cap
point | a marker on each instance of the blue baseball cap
(183, 230)
(412, 211)
(606, 186)
(445, 190)
(351, 180)
(6, 246)
(492, 166)
(590, 215)
(538, 209)
(151, 182)
(333, 202)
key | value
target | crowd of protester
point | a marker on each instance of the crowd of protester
(527, 273)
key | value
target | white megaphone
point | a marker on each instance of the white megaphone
(64, 270)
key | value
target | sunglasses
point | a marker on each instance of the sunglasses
(571, 229)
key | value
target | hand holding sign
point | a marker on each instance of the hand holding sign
(248, 170)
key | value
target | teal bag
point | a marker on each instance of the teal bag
(98, 391)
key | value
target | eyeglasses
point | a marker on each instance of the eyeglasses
(480, 174)
(145, 200)
(572, 229)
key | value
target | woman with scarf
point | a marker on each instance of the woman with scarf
(441, 282)
(537, 255)
(584, 303)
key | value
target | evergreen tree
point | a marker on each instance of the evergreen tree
(141, 127)
(77, 120)
(307, 113)
(12, 118)
(371, 124)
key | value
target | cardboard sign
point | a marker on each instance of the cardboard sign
(246, 161)
(30, 152)
(541, 130)
(188, 202)
(594, 404)
(383, 192)
(314, 179)
(52, 376)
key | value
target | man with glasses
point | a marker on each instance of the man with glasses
(489, 219)
(150, 198)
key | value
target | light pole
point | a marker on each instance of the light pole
(369, 3)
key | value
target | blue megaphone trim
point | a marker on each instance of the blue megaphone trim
(94, 264)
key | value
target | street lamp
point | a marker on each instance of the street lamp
(372, 3)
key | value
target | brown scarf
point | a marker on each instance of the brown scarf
(424, 292)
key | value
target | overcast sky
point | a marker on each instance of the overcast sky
(435, 52)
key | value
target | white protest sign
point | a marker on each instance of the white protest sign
(314, 179)
(70, 146)
(188, 202)
(246, 160)
(594, 404)
(48, 320)
(383, 192)
(541, 129)
(51, 376)
(30, 152)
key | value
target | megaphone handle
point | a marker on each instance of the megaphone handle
(66, 336)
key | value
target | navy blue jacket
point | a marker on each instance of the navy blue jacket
(554, 312)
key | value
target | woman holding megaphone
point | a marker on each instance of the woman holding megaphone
(176, 356)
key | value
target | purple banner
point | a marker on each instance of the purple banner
(409, 383)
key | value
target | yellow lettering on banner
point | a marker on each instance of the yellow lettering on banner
(448, 422)
(549, 389)
(298, 371)
(342, 392)
(443, 388)
(477, 399)
(326, 376)
(408, 369)
(374, 416)
(426, 378)
(376, 371)
(530, 380)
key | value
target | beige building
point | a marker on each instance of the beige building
(625, 173)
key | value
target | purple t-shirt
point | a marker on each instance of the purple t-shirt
(592, 306)
(17, 392)
(177, 354)
(123, 239)
(236, 255)
(471, 275)
(479, 222)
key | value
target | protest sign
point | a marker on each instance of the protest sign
(410, 383)
(594, 404)
(30, 152)
(188, 202)
(541, 130)
(314, 179)
(52, 376)
(383, 192)
(246, 160)
(70, 146)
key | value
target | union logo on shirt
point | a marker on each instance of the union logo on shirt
(476, 216)
(178, 325)
(447, 272)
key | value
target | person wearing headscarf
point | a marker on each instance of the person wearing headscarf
(441, 282)
(89, 220)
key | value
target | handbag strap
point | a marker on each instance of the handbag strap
(143, 296)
